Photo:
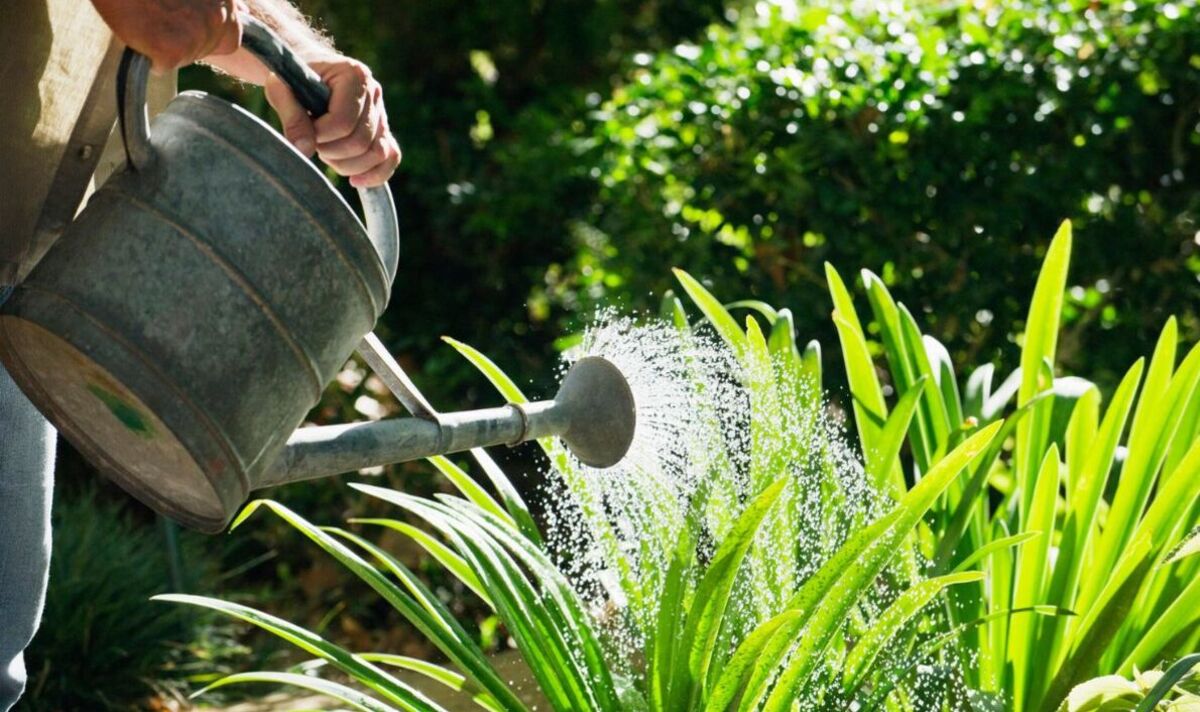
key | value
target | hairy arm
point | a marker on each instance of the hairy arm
(287, 21)
(353, 138)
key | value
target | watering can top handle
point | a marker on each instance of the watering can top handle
(378, 206)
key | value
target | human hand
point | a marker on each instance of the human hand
(353, 137)
(173, 33)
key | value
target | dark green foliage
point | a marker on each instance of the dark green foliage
(102, 644)
(934, 143)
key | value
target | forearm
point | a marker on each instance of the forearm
(287, 21)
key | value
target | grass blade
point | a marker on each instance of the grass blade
(437, 673)
(395, 691)
(350, 696)
(451, 561)
(1039, 348)
(866, 650)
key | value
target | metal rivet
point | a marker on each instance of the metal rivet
(86, 151)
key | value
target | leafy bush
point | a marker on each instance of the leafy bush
(928, 139)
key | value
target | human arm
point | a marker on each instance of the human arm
(353, 138)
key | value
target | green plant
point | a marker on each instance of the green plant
(1078, 508)
(100, 646)
(1019, 516)
(733, 606)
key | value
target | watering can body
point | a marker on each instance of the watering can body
(186, 322)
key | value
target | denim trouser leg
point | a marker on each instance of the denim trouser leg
(26, 480)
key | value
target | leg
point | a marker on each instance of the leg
(26, 481)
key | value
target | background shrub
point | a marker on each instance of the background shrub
(934, 143)
(103, 645)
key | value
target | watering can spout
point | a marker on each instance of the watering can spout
(593, 413)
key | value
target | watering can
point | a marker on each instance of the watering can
(187, 321)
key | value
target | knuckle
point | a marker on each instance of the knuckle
(356, 145)
(359, 71)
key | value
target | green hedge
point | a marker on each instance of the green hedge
(936, 144)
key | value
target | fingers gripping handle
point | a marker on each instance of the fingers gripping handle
(378, 207)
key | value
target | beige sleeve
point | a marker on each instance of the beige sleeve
(56, 64)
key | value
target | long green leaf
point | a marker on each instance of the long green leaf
(452, 562)
(1099, 625)
(437, 673)
(889, 682)
(887, 626)
(442, 629)
(1081, 528)
(870, 409)
(1137, 473)
(513, 502)
(735, 675)
(550, 625)
(995, 545)
(1189, 547)
(507, 387)
(1039, 348)
(884, 459)
(972, 495)
(816, 589)
(350, 696)
(713, 591)
(469, 487)
(392, 689)
(1182, 615)
(1033, 565)
(726, 326)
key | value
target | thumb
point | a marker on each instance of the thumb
(297, 124)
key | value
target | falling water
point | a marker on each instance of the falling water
(712, 433)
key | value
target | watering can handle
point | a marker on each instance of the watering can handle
(378, 207)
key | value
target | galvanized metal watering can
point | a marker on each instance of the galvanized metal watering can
(185, 323)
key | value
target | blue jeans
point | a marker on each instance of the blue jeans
(26, 481)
